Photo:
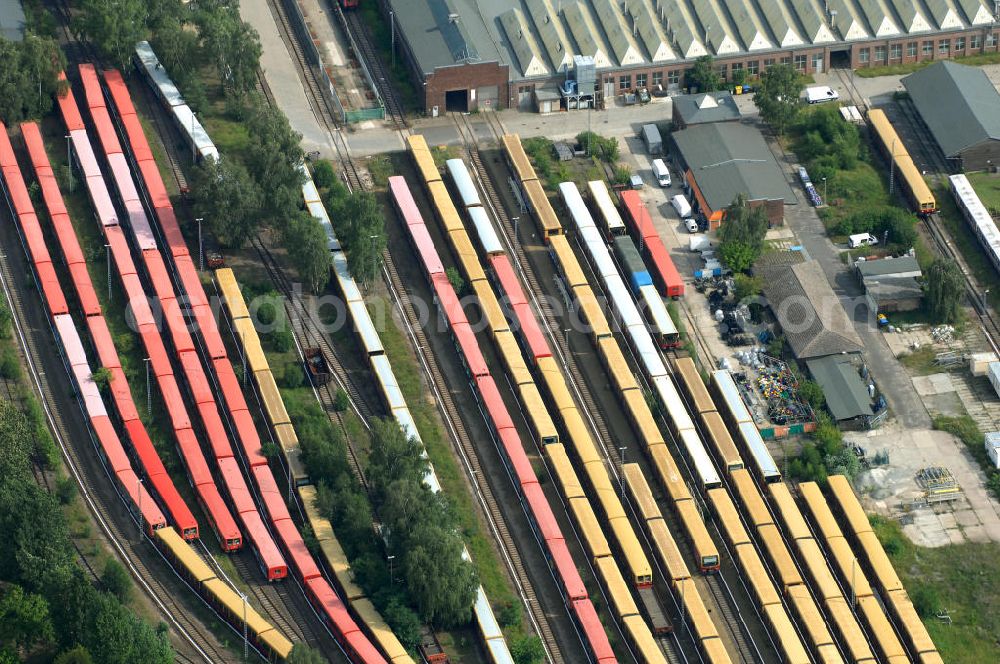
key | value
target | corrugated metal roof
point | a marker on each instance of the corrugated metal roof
(619, 33)
(778, 16)
(957, 103)
(718, 34)
(849, 21)
(976, 12)
(845, 392)
(522, 42)
(552, 33)
(681, 27)
(443, 33)
(650, 31)
(588, 38)
(944, 14)
(912, 18)
(727, 159)
(752, 33)
(814, 25)
(692, 109)
(879, 18)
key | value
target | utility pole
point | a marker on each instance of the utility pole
(69, 160)
(245, 642)
(622, 472)
(391, 577)
(392, 28)
(107, 256)
(892, 166)
(201, 247)
(149, 394)
(138, 490)
(373, 238)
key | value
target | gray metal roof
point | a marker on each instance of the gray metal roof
(727, 159)
(650, 31)
(754, 36)
(714, 24)
(887, 267)
(682, 27)
(550, 29)
(913, 19)
(881, 22)
(619, 33)
(585, 32)
(811, 315)
(706, 107)
(814, 24)
(943, 14)
(11, 20)
(886, 289)
(442, 33)
(523, 43)
(846, 394)
(958, 104)
(850, 22)
(976, 11)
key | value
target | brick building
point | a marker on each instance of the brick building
(465, 49)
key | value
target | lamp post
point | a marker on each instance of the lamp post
(986, 300)
(245, 643)
(392, 29)
(392, 578)
(373, 238)
(892, 166)
(621, 475)
(138, 490)
(69, 159)
(854, 565)
(201, 247)
(149, 394)
(107, 257)
(825, 202)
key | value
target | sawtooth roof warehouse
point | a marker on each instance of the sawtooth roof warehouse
(471, 54)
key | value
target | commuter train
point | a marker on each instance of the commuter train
(876, 563)
(918, 194)
(196, 389)
(351, 639)
(585, 302)
(368, 337)
(273, 405)
(270, 643)
(640, 226)
(978, 217)
(543, 521)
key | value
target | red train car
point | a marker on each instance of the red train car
(640, 226)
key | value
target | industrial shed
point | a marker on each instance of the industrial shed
(961, 108)
(810, 314)
(891, 284)
(650, 43)
(721, 160)
(847, 396)
(703, 108)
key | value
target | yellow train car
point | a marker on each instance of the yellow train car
(789, 644)
(705, 551)
(590, 312)
(513, 361)
(538, 415)
(807, 612)
(580, 440)
(892, 147)
(669, 474)
(614, 362)
(641, 418)
(642, 641)
(848, 567)
(881, 567)
(269, 394)
(424, 158)
(753, 569)
(750, 499)
(639, 490)
(490, 308)
(614, 584)
(715, 652)
(289, 443)
(665, 548)
(192, 566)
(778, 555)
(694, 610)
(541, 209)
(888, 644)
(692, 385)
(788, 512)
(380, 631)
(518, 158)
(728, 518)
(467, 257)
(819, 512)
(230, 603)
(554, 383)
(726, 452)
(247, 334)
(566, 476)
(829, 654)
(230, 289)
(824, 585)
(590, 528)
(562, 253)
(847, 504)
(852, 639)
(447, 213)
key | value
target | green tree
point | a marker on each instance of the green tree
(227, 197)
(29, 77)
(746, 286)
(404, 622)
(455, 279)
(341, 402)
(737, 255)
(323, 174)
(703, 75)
(527, 649)
(235, 47)
(441, 583)
(273, 158)
(812, 394)
(306, 242)
(393, 457)
(303, 654)
(360, 225)
(115, 580)
(76, 655)
(6, 319)
(622, 174)
(102, 378)
(742, 234)
(24, 619)
(777, 96)
(113, 25)
(943, 287)
(178, 49)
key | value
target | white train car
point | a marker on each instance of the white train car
(198, 140)
(606, 208)
(464, 184)
(389, 388)
(663, 325)
(736, 411)
(488, 237)
(645, 350)
(978, 217)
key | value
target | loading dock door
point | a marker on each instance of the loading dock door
(488, 97)
(456, 101)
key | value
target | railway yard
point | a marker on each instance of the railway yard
(542, 346)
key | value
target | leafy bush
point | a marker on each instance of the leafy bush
(293, 376)
(895, 226)
(323, 174)
(10, 364)
(605, 149)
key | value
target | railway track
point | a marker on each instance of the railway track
(125, 544)
(361, 37)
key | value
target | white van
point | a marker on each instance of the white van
(661, 172)
(681, 205)
(861, 240)
(821, 93)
